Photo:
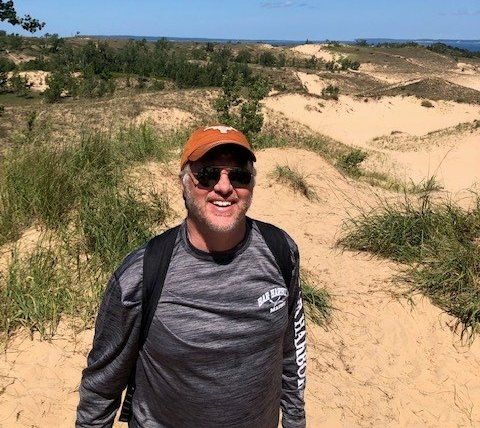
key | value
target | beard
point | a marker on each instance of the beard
(197, 211)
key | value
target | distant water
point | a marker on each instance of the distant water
(205, 40)
(471, 45)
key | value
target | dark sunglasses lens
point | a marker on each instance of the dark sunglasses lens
(209, 176)
(240, 177)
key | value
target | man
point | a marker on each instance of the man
(226, 346)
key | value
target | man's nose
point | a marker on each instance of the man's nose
(223, 185)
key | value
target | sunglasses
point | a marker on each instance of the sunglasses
(208, 176)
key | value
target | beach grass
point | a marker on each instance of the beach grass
(89, 217)
(295, 179)
(317, 300)
(437, 240)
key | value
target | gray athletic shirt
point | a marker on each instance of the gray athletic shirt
(226, 347)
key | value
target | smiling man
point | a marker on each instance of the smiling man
(224, 345)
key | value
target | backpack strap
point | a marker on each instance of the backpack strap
(277, 243)
(155, 266)
(156, 260)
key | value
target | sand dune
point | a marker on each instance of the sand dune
(36, 79)
(167, 118)
(311, 82)
(382, 362)
(354, 121)
(318, 51)
(454, 160)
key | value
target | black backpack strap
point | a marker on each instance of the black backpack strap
(277, 243)
(156, 260)
(155, 266)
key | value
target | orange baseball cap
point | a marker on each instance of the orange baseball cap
(206, 138)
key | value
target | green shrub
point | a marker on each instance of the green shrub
(6, 65)
(347, 63)
(351, 161)
(330, 92)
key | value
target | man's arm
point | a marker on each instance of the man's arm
(294, 354)
(115, 346)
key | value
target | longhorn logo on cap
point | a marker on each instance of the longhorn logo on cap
(223, 129)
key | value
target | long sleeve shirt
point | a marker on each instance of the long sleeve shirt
(226, 346)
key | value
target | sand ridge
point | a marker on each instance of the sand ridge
(37, 80)
(320, 51)
(358, 123)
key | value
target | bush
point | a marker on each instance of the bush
(268, 59)
(330, 92)
(347, 63)
(19, 85)
(6, 65)
(351, 161)
(427, 104)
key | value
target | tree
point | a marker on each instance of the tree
(9, 14)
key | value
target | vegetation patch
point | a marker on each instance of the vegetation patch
(427, 104)
(317, 300)
(439, 243)
(294, 179)
(330, 93)
(78, 194)
(350, 162)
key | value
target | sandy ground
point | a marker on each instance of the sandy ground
(167, 118)
(311, 82)
(37, 79)
(318, 51)
(358, 123)
(18, 58)
(468, 80)
(381, 362)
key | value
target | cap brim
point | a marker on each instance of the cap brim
(201, 151)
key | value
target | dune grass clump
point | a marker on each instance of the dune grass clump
(294, 179)
(39, 182)
(439, 241)
(427, 104)
(79, 194)
(112, 222)
(51, 281)
(350, 162)
(317, 301)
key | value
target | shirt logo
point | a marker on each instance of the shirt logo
(276, 298)
(223, 129)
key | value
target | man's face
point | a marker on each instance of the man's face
(222, 206)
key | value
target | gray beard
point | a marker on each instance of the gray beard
(195, 213)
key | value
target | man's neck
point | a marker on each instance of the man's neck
(205, 239)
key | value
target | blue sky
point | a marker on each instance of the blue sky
(260, 19)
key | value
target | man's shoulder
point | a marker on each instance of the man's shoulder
(276, 229)
(130, 271)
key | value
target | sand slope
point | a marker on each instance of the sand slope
(318, 51)
(380, 363)
(353, 121)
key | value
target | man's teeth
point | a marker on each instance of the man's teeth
(222, 203)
